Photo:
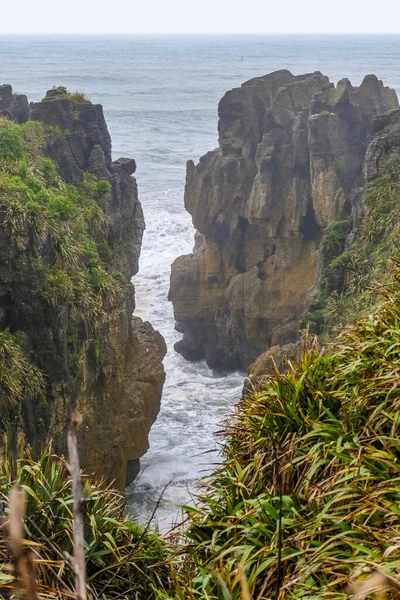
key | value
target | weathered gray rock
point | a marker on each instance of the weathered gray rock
(13, 106)
(117, 389)
(383, 151)
(291, 152)
(275, 358)
(127, 164)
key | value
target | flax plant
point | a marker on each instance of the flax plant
(122, 560)
(309, 489)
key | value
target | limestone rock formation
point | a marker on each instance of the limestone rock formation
(117, 388)
(13, 106)
(275, 358)
(290, 157)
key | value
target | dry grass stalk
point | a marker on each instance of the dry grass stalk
(244, 584)
(377, 583)
(22, 558)
(79, 554)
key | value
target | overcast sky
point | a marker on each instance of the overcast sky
(199, 16)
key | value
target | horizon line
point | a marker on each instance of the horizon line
(201, 33)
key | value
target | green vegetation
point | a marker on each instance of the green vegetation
(340, 162)
(122, 560)
(41, 209)
(326, 114)
(10, 141)
(73, 96)
(350, 273)
(62, 231)
(309, 488)
(19, 378)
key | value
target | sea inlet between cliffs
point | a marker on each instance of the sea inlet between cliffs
(160, 98)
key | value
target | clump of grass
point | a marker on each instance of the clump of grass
(122, 560)
(73, 96)
(10, 140)
(19, 378)
(310, 484)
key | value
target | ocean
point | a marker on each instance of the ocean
(160, 96)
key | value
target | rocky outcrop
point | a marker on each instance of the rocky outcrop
(277, 358)
(109, 371)
(290, 157)
(383, 151)
(13, 106)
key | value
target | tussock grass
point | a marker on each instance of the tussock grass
(122, 560)
(73, 96)
(18, 376)
(309, 489)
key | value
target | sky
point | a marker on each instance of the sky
(199, 16)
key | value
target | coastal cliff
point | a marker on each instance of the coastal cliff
(290, 162)
(71, 231)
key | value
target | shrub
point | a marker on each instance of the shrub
(310, 484)
(73, 96)
(11, 146)
(121, 558)
(335, 238)
(340, 162)
(103, 187)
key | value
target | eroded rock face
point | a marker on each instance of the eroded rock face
(291, 152)
(276, 358)
(13, 106)
(117, 390)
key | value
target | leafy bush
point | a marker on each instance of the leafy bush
(340, 162)
(335, 238)
(121, 558)
(310, 484)
(103, 187)
(10, 140)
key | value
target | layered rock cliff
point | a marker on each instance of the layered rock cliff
(290, 159)
(71, 231)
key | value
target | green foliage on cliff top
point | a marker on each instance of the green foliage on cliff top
(349, 273)
(60, 230)
(73, 96)
(310, 484)
(122, 560)
(60, 224)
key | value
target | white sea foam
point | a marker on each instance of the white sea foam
(195, 401)
(160, 97)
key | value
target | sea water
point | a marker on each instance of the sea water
(160, 96)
